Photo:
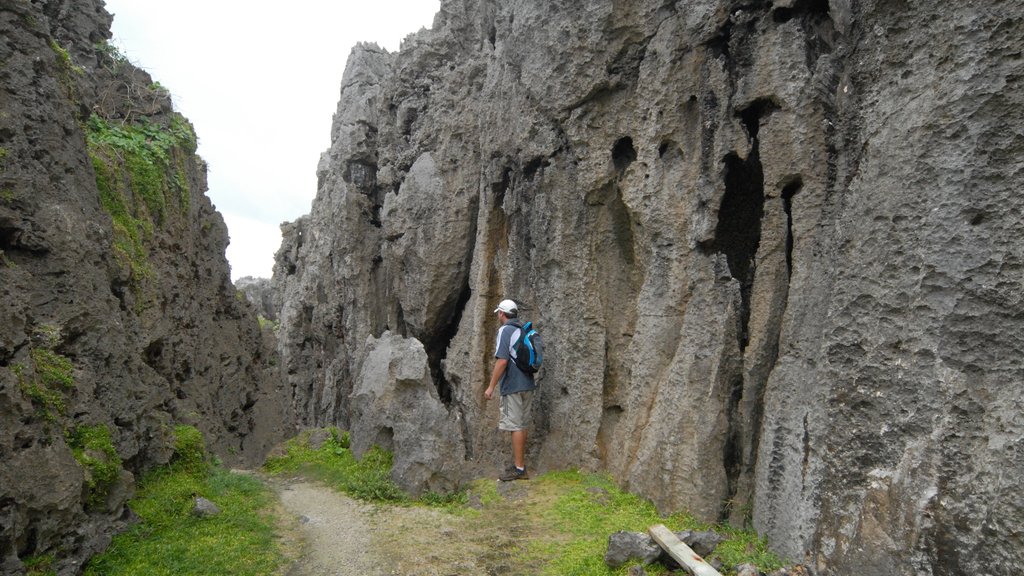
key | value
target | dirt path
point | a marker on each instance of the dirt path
(337, 532)
(344, 537)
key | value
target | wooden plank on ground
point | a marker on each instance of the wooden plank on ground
(682, 553)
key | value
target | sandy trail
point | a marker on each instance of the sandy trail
(337, 530)
(344, 537)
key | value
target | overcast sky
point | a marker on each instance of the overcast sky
(260, 82)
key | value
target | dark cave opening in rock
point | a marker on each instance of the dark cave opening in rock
(738, 233)
(623, 153)
(437, 347)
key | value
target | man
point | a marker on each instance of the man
(516, 388)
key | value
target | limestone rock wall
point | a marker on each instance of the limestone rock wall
(773, 247)
(100, 329)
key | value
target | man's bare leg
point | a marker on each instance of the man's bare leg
(519, 448)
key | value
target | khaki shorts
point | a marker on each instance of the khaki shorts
(515, 411)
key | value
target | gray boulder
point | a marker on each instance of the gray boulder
(395, 406)
(626, 546)
(623, 546)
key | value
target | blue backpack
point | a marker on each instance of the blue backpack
(529, 349)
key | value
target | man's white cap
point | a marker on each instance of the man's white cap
(506, 306)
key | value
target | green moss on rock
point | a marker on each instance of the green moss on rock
(140, 174)
(94, 450)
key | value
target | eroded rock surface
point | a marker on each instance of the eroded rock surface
(773, 248)
(117, 314)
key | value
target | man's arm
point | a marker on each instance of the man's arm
(499, 368)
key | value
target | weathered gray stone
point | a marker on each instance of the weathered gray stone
(702, 542)
(773, 248)
(395, 406)
(746, 570)
(623, 546)
(318, 437)
(259, 293)
(626, 546)
(204, 508)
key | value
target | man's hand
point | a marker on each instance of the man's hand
(499, 369)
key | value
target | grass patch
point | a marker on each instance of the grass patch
(40, 566)
(67, 70)
(559, 524)
(189, 451)
(171, 541)
(584, 509)
(556, 524)
(334, 464)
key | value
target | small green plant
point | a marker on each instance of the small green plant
(40, 565)
(64, 59)
(7, 195)
(47, 335)
(110, 57)
(170, 540)
(274, 325)
(368, 478)
(53, 369)
(189, 450)
(49, 403)
(50, 377)
(447, 501)
(94, 450)
(67, 69)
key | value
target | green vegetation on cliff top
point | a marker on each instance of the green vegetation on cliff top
(139, 166)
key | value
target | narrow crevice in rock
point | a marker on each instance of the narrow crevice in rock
(788, 192)
(500, 188)
(437, 346)
(732, 457)
(738, 233)
(610, 416)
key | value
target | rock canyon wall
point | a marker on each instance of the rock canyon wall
(118, 319)
(773, 246)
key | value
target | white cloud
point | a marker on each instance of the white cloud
(260, 82)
